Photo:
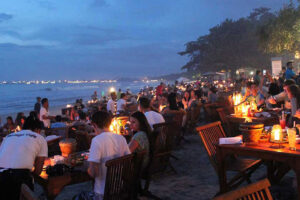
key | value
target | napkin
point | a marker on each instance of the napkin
(231, 140)
(51, 137)
(264, 114)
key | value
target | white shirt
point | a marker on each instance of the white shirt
(104, 147)
(19, 150)
(154, 118)
(44, 112)
(120, 104)
(111, 106)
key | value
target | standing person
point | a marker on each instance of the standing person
(105, 146)
(119, 93)
(159, 89)
(20, 153)
(290, 74)
(111, 108)
(186, 99)
(44, 113)
(256, 78)
(121, 104)
(37, 105)
(152, 116)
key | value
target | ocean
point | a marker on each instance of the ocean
(16, 98)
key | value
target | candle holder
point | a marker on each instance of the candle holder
(277, 136)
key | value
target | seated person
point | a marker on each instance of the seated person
(9, 126)
(82, 124)
(58, 123)
(141, 135)
(20, 153)
(122, 104)
(152, 116)
(105, 146)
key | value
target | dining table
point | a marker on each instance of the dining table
(235, 121)
(267, 151)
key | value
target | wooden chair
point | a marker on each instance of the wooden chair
(176, 117)
(210, 135)
(122, 178)
(193, 116)
(255, 191)
(27, 193)
(53, 147)
(226, 124)
(211, 112)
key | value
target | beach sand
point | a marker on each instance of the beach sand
(195, 178)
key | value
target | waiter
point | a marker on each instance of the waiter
(20, 154)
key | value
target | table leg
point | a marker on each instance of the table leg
(221, 171)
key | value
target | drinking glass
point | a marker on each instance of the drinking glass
(282, 123)
(292, 138)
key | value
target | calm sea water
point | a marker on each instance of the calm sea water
(18, 98)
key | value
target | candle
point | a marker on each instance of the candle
(277, 135)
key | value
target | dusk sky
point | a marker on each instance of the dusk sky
(102, 39)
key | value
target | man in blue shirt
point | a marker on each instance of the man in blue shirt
(290, 74)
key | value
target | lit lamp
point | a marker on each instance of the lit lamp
(276, 134)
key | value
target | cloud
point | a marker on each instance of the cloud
(5, 17)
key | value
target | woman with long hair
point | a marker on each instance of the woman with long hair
(186, 99)
(141, 135)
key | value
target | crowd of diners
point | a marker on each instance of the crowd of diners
(24, 150)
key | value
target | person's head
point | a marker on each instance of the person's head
(9, 120)
(144, 104)
(101, 120)
(58, 118)
(33, 124)
(172, 101)
(38, 99)
(45, 102)
(213, 89)
(186, 95)
(138, 122)
(289, 65)
(258, 72)
(283, 69)
(23, 119)
(287, 83)
(123, 96)
(254, 89)
(113, 95)
(198, 94)
(82, 116)
(292, 91)
(192, 94)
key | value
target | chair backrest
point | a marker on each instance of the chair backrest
(123, 176)
(27, 193)
(255, 191)
(210, 134)
(164, 138)
(223, 112)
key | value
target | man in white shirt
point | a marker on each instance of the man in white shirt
(111, 108)
(105, 146)
(20, 153)
(121, 104)
(44, 113)
(152, 116)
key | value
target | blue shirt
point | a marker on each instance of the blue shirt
(289, 74)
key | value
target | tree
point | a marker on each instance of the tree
(282, 33)
(230, 45)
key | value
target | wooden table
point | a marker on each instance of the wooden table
(54, 185)
(235, 121)
(265, 151)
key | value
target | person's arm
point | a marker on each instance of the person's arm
(93, 169)
(133, 145)
(294, 106)
(38, 165)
